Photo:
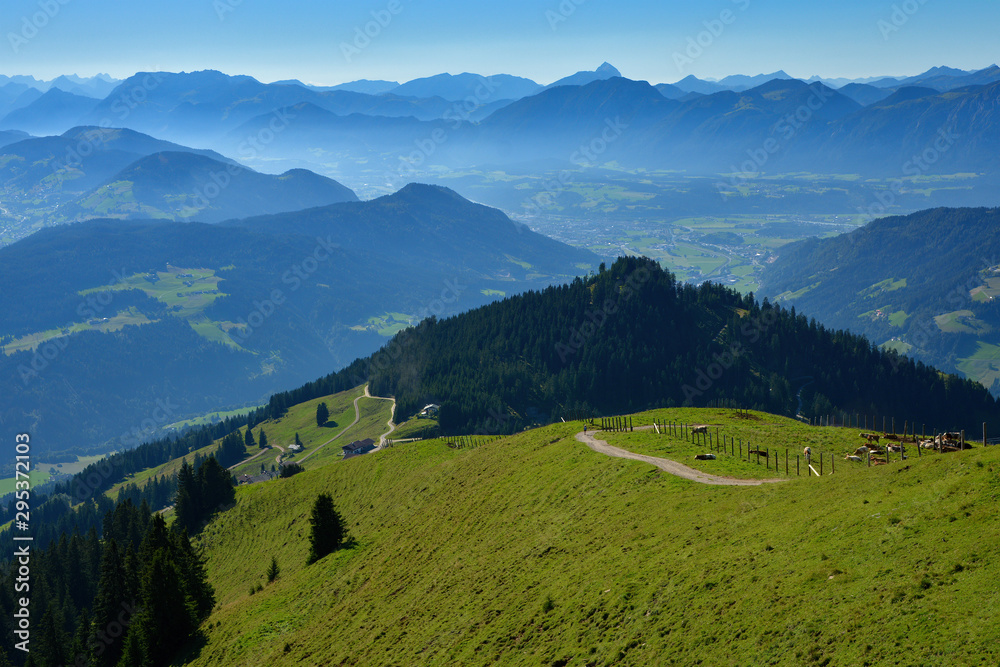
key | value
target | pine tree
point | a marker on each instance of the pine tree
(248, 440)
(322, 414)
(187, 505)
(262, 439)
(273, 571)
(327, 532)
(112, 592)
(297, 440)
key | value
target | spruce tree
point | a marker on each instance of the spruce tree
(112, 593)
(327, 532)
(248, 439)
(322, 414)
(273, 571)
(262, 439)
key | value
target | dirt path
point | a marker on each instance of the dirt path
(357, 418)
(258, 454)
(392, 415)
(666, 465)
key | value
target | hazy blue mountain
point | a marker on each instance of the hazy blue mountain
(457, 87)
(56, 170)
(906, 94)
(202, 106)
(8, 137)
(740, 82)
(366, 86)
(605, 71)
(959, 128)
(253, 306)
(693, 84)
(53, 113)
(98, 87)
(670, 91)
(186, 186)
(864, 94)
(16, 96)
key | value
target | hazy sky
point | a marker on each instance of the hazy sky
(656, 40)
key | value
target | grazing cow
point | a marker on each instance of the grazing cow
(808, 454)
(870, 436)
(861, 451)
(895, 448)
(699, 429)
(890, 436)
(853, 457)
(705, 457)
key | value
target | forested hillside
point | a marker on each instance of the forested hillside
(633, 337)
(924, 284)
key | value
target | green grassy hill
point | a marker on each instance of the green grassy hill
(535, 550)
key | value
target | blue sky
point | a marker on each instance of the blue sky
(541, 39)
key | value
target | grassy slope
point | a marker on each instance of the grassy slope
(457, 553)
(300, 419)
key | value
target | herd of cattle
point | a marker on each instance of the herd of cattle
(878, 453)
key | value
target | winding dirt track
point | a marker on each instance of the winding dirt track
(666, 465)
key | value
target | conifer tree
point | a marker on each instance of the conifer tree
(248, 439)
(327, 532)
(262, 439)
(273, 570)
(322, 414)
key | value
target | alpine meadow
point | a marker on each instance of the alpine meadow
(558, 334)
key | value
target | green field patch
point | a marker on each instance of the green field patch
(898, 318)
(797, 293)
(493, 292)
(103, 324)
(887, 285)
(897, 345)
(961, 321)
(185, 291)
(984, 364)
(36, 476)
(213, 331)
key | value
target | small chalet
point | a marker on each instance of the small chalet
(295, 449)
(429, 411)
(359, 447)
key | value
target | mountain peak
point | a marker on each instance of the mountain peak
(608, 69)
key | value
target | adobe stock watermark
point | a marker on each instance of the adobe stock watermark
(364, 35)
(248, 149)
(459, 113)
(393, 350)
(597, 318)
(751, 331)
(104, 638)
(126, 101)
(788, 128)
(294, 277)
(919, 333)
(161, 415)
(586, 155)
(900, 16)
(917, 165)
(701, 42)
(225, 7)
(562, 13)
(32, 25)
(90, 309)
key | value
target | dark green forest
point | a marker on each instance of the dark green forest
(631, 338)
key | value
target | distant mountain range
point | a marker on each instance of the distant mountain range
(138, 311)
(739, 127)
(174, 185)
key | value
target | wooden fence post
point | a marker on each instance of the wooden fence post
(798, 472)
(786, 461)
